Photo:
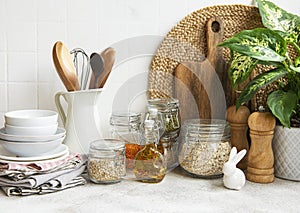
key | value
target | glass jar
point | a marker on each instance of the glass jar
(168, 145)
(106, 161)
(205, 147)
(126, 126)
(169, 110)
(150, 165)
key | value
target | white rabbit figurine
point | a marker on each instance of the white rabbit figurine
(234, 178)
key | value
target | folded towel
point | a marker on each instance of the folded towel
(51, 186)
(17, 171)
(27, 180)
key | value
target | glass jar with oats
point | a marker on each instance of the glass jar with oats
(106, 161)
(205, 147)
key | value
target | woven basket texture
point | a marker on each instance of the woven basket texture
(186, 41)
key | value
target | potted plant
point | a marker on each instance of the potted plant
(269, 46)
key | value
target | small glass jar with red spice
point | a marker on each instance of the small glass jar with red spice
(126, 126)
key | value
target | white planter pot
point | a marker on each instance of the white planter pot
(286, 148)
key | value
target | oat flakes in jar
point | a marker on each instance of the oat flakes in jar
(106, 161)
(205, 147)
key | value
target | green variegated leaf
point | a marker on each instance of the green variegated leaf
(275, 18)
(262, 44)
(296, 69)
(241, 67)
(297, 61)
(259, 82)
(283, 104)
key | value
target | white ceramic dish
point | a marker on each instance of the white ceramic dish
(56, 154)
(33, 117)
(31, 149)
(29, 138)
(35, 130)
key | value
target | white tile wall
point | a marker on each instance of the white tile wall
(51, 11)
(2, 67)
(22, 96)
(21, 36)
(21, 11)
(28, 30)
(21, 67)
(3, 97)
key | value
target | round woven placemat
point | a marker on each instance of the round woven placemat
(186, 41)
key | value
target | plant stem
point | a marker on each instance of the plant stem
(289, 59)
(286, 66)
(296, 46)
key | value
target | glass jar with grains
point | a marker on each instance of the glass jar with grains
(125, 126)
(106, 161)
(205, 147)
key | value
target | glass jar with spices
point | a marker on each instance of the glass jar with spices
(125, 126)
(205, 147)
(169, 110)
(106, 161)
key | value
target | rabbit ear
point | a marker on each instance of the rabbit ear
(239, 156)
(232, 154)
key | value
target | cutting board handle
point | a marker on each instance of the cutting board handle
(214, 35)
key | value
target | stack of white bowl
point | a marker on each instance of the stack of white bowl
(29, 133)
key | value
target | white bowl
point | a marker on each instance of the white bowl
(28, 118)
(32, 130)
(30, 149)
(32, 138)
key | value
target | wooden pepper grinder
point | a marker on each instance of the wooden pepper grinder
(260, 157)
(238, 120)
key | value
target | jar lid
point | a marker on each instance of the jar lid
(163, 103)
(207, 129)
(107, 144)
(125, 118)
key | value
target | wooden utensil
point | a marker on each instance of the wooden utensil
(108, 56)
(203, 89)
(97, 65)
(65, 67)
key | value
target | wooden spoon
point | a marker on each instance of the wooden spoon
(65, 67)
(108, 56)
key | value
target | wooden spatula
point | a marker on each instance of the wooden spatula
(65, 67)
(203, 89)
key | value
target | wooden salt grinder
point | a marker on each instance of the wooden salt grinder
(260, 157)
(238, 120)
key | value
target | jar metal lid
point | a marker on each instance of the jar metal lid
(206, 129)
(125, 118)
(163, 103)
(107, 144)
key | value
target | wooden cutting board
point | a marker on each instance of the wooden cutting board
(203, 88)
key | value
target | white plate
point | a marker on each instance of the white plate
(27, 138)
(60, 151)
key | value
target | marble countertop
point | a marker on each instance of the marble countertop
(176, 193)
